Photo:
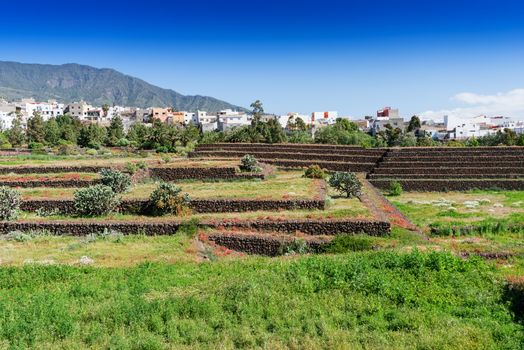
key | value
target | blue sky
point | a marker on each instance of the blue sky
(350, 56)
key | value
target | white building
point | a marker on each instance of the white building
(228, 119)
(6, 120)
(190, 117)
(48, 110)
(78, 109)
(293, 117)
(207, 122)
(479, 126)
(387, 116)
(319, 119)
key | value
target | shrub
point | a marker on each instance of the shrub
(162, 149)
(66, 148)
(346, 243)
(18, 236)
(44, 212)
(123, 142)
(91, 152)
(35, 146)
(6, 145)
(249, 163)
(95, 200)
(296, 246)
(141, 164)
(346, 183)
(166, 158)
(167, 199)
(315, 172)
(395, 188)
(9, 203)
(131, 168)
(118, 181)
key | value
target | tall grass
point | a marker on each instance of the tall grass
(360, 300)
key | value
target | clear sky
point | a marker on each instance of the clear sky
(304, 56)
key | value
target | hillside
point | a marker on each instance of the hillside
(73, 82)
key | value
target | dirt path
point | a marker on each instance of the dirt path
(383, 209)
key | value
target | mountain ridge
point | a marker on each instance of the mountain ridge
(71, 82)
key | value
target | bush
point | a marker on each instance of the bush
(95, 200)
(66, 148)
(315, 172)
(249, 163)
(123, 142)
(44, 212)
(9, 203)
(162, 149)
(131, 168)
(296, 246)
(344, 243)
(167, 199)
(141, 165)
(91, 152)
(118, 181)
(346, 183)
(35, 146)
(166, 158)
(395, 188)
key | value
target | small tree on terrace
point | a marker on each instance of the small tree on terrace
(300, 124)
(105, 108)
(115, 131)
(258, 110)
(16, 134)
(51, 132)
(414, 124)
(35, 128)
(346, 183)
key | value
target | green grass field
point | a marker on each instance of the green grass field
(378, 300)
(491, 213)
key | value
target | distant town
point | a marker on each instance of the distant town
(450, 128)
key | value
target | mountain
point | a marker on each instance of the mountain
(74, 82)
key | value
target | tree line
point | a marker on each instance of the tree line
(66, 131)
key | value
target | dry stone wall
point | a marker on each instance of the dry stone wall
(310, 227)
(197, 205)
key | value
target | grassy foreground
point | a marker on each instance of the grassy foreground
(374, 300)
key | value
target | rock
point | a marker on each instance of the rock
(85, 260)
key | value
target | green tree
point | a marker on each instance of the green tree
(137, 134)
(258, 110)
(275, 132)
(414, 124)
(390, 136)
(4, 140)
(92, 136)
(115, 131)
(407, 140)
(105, 108)
(16, 133)
(520, 141)
(300, 137)
(159, 135)
(300, 124)
(345, 125)
(69, 128)
(190, 133)
(35, 128)
(346, 183)
(52, 132)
